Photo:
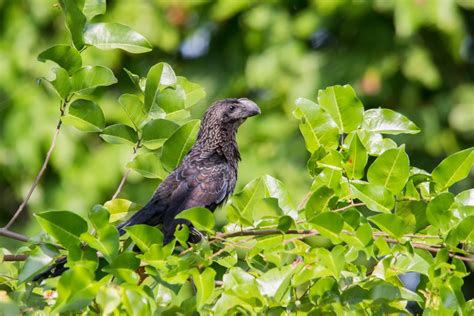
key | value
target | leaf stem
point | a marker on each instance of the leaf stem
(42, 170)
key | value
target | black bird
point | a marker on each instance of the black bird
(207, 175)
(205, 178)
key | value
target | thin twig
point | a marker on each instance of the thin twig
(9, 234)
(41, 172)
(127, 171)
(348, 207)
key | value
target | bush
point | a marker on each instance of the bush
(368, 219)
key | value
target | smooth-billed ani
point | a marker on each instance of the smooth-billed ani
(205, 178)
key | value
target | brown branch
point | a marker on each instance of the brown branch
(9, 234)
(14, 258)
(42, 170)
(127, 171)
(312, 232)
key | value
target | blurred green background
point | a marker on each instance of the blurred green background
(414, 56)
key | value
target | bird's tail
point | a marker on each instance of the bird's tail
(56, 269)
(147, 215)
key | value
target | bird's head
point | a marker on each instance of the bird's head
(231, 112)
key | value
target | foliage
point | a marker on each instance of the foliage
(369, 217)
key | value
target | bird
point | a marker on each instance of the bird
(205, 178)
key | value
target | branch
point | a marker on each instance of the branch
(311, 232)
(14, 258)
(127, 171)
(9, 234)
(41, 172)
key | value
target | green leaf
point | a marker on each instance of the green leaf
(144, 236)
(329, 224)
(334, 260)
(65, 56)
(462, 231)
(438, 212)
(64, 226)
(75, 21)
(194, 92)
(85, 115)
(204, 283)
(317, 127)
(136, 80)
(376, 197)
(85, 79)
(62, 83)
(200, 217)
(156, 132)
(171, 100)
(107, 239)
(159, 77)
(134, 108)
(386, 121)
(76, 289)
(123, 267)
(119, 134)
(285, 222)
(343, 105)
(318, 202)
(115, 35)
(275, 282)
(453, 168)
(93, 8)
(389, 223)
(391, 170)
(120, 208)
(108, 299)
(36, 262)
(357, 158)
(178, 145)
(384, 290)
(374, 142)
(148, 165)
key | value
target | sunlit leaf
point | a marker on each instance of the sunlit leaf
(64, 226)
(200, 217)
(148, 165)
(36, 262)
(87, 78)
(329, 224)
(376, 197)
(159, 77)
(178, 145)
(120, 208)
(119, 134)
(356, 159)
(204, 283)
(93, 8)
(156, 132)
(62, 83)
(453, 168)
(343, 105)
(75, 21)
(65, 56)
(317, 127)
(123, 267)
(318, 202)
(144, 236)
(134, 108)
(386, 121)
(76, 289)
(193, 91)
(438, 213)
(115, 35)
(391, 170)
(85, 115)
(389, 223)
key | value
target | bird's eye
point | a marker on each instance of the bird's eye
(232, 107)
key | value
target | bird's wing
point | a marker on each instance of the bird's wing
(200, 185)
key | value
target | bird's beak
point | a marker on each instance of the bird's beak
(250, 107)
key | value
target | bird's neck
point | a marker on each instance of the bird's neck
(219, 140)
